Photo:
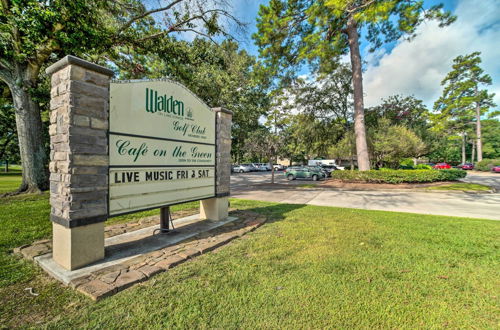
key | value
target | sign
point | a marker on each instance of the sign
(161, 146)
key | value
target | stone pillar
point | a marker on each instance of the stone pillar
(217, 208)
(79, 160)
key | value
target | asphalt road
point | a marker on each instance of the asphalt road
(489, 179)
(459, 204)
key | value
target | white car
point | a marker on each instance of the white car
(278, 167)
(261, 167)
(241, 168)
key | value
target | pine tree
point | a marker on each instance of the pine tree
(292, 32)
(463, 99)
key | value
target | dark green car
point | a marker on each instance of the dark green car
(304, 172)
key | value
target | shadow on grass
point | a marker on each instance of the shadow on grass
(152, 242)
(11, 173)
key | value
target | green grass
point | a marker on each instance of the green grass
(461, 186)
(307, 185)
(9, 181)
(308, 267)
(25, 218)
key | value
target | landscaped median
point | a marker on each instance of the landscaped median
(399, 176)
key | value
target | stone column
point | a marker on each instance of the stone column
(217, 208)
(79, 160)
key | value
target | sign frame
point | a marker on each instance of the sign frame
(109, 167)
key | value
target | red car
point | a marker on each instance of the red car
(496, 169)
(441, 166)
(466, 166)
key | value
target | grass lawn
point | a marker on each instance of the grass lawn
(307, 185)
(24, 219)
(308, 267)
(461, 186)
(9, 181)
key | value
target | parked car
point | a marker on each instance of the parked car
(243, 168)
(496, 169)
(441, 166)
(303, 172)
(266, 166)
(259, 167)
(328, 169)
(466, 166)
(319, 168)
(278, 167)
(251, 167)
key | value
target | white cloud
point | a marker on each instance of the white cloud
(417, 67)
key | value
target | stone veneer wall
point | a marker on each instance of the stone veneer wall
(223, 147)
(79, 158)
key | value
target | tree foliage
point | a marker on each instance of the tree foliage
(297, 31)
(389, 144)
(36, 33)
(292, 33)
(401, 110)
(9, 147)
(463, 102)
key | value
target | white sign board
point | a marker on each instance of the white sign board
(161, 146)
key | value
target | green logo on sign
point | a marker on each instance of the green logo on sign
(162, 103)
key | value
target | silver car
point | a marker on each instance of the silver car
(241, 168)
(262, 167)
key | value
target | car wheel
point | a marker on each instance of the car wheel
(241, 171)
(315, 177)
(290, 177)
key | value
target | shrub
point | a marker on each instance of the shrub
(423, 167)
(407, 164)
(487, 164)
(398, 176)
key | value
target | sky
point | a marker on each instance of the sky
(417, 67)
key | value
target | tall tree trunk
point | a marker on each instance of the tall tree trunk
(30, 136)
(359, 111)
(473, 152)
(463, 148)
(478, 132)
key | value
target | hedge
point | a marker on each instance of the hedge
(399, 176)
(487, 164)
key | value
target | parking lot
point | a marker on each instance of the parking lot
(257, 178)
(256, 185)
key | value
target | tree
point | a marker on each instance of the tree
(329, 99)
(344, 149)
(491, 138)
(462, 97)
(266, 144)
(325, 111)
(35, 33)
(291, 32)
(401, 110)
(389, 144)
(222, 75)
(9, 148)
